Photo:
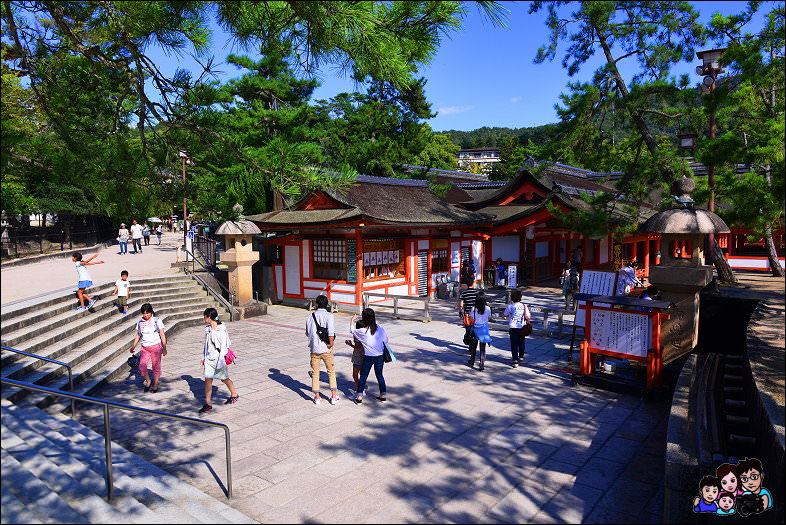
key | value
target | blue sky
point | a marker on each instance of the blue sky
(484, 75)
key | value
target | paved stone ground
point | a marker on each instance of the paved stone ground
(452, 444)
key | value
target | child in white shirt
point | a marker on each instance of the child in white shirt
(123, 291)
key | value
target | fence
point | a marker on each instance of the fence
(47, 241)
(206, 248)
(421, 306)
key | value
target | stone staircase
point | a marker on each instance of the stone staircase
(94, 342)
(54, 472)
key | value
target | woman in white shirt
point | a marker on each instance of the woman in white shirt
(480, 315)
(122, 238)
(214, 358)
(373, 339)
(150, 332)
(517, 314)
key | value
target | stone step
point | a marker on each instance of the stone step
(54, 345)
(87, 362)
(103, 308)
(36, 497)
(57, 449)
(9, 316)
(94, 368)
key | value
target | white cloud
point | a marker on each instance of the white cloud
(515, 99)
(452, 110)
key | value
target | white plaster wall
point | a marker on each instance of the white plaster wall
(292, 263)
(306, 259)
(507, 247)
(604, 250)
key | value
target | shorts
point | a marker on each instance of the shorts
(212, 373)
(122, 300)
(84, 284)
(357, 357)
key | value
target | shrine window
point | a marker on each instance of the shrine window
(330, 259)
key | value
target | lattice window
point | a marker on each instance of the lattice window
(330, 259)
(439, 261)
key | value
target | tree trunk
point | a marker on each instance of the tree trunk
(725, 274)
(772, 253)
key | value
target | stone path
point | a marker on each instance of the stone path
(452, 444)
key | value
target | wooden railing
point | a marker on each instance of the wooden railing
(383, 309)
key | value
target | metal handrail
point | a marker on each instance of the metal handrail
(233, 299)
(108, 433)
(70, 376)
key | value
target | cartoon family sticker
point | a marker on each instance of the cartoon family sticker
(734, 490)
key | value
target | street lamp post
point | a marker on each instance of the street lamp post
(184, 159)
(710, 68)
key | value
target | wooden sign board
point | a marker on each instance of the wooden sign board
(621, 332)
(596, 283)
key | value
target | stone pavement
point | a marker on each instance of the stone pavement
(451, 444)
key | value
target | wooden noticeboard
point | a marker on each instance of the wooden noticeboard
(352, 263)
(622, 332)
(595, 283)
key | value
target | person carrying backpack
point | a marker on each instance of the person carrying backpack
(467, 276)
(570, 284)
(321, 335)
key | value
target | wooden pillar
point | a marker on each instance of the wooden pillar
(633, 251)
(647, 257)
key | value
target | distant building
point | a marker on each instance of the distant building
(485, 157)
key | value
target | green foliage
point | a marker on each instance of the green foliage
(376, 131)
(512, 157)
(439, 152)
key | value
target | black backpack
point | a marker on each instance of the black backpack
(322, 331)
(573, 281)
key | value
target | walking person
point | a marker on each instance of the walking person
(84, 280)
(480, 314)
(517, 314)
(159, 232)
(214, 358)
(146, 233)
(321, 333)
(373, 339)
(123, 291)
(570, 283)
(467, 300)
(502, 271)
(122, 238)
(357, 356)
(467, 274)
(136, 236)
(152, 339)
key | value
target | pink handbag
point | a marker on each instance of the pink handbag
(230, 357)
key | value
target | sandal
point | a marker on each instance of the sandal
(232, 400)
(382, 398)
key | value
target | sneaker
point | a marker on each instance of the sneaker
(205, 408)
(481, 368)
(382, 398)
(126, 312)
(91, 303)
(232, 400)
(317, 400)
(514, 364)
(78, 308)
(470, 363)
(334, 400)
(359, 400)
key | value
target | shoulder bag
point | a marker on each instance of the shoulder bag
(230, 357)
(387, 354)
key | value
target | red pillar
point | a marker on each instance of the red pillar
(647, 258)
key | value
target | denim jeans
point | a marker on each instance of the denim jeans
(137, 244)
(123, 247)
(377, 361)
(516, 344)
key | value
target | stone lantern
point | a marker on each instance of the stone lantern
(239, 257)
(682, 273)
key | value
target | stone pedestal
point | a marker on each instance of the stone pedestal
(239, 257)
(680, 285)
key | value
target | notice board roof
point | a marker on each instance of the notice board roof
(623, 300)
